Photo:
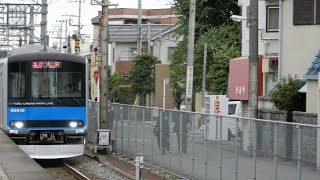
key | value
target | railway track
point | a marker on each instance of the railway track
(62, 170)
(73, 171)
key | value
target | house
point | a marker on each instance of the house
(123, 32)
(164, 44)
(268, 25)
(123, 38)
(298, 46)
(268, 48)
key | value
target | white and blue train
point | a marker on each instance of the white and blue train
(44, 100)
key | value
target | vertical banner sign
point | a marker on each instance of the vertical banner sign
(189, 84)
(218, 107)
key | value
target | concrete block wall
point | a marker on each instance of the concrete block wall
(161, 72)
(287, 136)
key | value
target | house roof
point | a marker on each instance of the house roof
(164, 32)
(129, 32)
(313, 70)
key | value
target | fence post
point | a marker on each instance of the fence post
(122, 119)
(116, 109)
(299, 152)
(206, 147)
(180, 143)
(255, 149)
(275, 176)
(129, 139)
(152, 136)
(138, 164)
(136, 131)
(193, 163)
(237, 149)
(143, 121)
(161, 148)
(170, 155)
(220, 148)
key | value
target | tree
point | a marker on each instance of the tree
(178, 72)
(114, 83)
(142, 74)
(285, 95)
(209, 14)
(126, 94)
(223, 42)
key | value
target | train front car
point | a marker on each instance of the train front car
(47, 104)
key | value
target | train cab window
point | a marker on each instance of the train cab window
(61, 83)
(17, 80)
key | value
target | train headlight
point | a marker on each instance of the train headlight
(18, 124)
(73, 124)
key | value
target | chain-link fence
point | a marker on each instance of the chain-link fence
(203, 146)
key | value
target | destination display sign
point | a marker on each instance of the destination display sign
(46, 64)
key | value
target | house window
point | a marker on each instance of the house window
(306, 12)
(272, 18)
(170, 53)
(133, 51)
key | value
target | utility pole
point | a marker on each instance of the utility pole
(205, 51)
(60, 36)
(104, 72)
(189, 84)
(69, 44)
(31, 40)
(149, 37)
(104, 123)
(139, 28)
(253, 60)
(79, 20)
(44, 12)
(25, 34)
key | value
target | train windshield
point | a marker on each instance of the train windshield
(49, 82)
(57, 80)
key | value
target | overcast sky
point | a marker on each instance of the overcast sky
(58, 8)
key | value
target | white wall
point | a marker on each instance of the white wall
(311, 100)
(268, 41)
(300, 43)
(161, 50)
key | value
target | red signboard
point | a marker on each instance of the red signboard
(239, 78)
(96, 75)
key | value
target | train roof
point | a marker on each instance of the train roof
(31, 49)
(35, 52)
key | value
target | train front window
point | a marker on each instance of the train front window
(17, 80)
(61, 83)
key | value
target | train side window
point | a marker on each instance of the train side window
(17, 80)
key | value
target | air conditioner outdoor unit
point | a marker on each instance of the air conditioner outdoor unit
(269, 65)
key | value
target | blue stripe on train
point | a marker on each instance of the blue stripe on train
(46, 113)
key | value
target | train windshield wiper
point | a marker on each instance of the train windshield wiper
(76, 100)
(55, 99)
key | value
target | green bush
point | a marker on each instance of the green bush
(126, 95)
(285, 95)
